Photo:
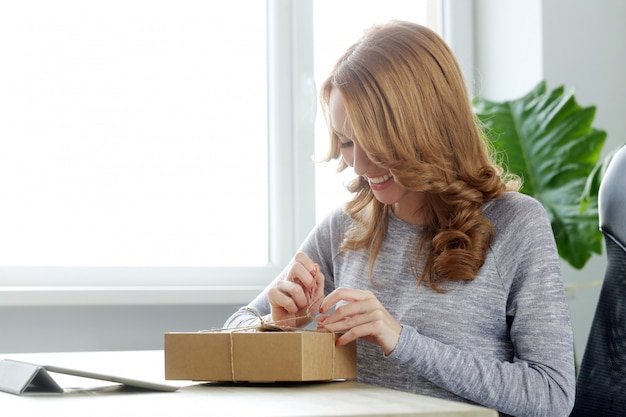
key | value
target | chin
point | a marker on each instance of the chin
(386, 199)
(390, 196)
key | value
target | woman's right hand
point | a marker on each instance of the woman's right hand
(295, 300)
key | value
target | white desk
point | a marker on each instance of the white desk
(88, 397)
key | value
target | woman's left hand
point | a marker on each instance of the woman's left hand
(361, 316)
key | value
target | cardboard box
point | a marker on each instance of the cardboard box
(243, 356)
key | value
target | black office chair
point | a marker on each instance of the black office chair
(601, 384)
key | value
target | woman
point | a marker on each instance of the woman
(447, 277)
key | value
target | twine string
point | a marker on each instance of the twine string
(276, 325)
(232, 356)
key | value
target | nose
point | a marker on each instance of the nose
(361, 162)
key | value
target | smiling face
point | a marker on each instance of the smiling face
(384, 187)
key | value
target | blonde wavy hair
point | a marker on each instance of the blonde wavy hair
(409, 108)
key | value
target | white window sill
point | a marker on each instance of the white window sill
(139, 295)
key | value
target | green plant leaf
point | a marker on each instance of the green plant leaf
(548, 140)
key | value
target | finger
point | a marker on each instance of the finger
(343, 294)
(291, 291)
(280, 300)
(304, 259)
(316, 296)
(342, 323)
(301, 273)
(346, 338)
(365, 332)
(376, 332)
(311, 280)
(318, 287)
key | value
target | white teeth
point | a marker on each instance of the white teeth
(378, 180)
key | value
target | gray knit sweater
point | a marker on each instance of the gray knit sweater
(503, 340)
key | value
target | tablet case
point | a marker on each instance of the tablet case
(18, 377)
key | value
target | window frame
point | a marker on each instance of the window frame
(291, 116)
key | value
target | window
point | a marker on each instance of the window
(160, 151)
(129, 134)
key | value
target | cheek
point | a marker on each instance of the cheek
(348, 155)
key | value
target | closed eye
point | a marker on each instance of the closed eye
(344, 141)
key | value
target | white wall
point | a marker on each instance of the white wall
(584, 48)
(94, 328)
(580, 44)
(508, 48)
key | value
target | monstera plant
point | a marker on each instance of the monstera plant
(548, 140)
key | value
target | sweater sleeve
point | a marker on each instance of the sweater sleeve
(540, 380)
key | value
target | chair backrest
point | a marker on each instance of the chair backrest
(612, 199)
(601, 384)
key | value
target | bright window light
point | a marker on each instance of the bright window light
(133, 133)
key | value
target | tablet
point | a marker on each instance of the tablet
(149, 385)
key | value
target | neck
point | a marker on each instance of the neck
(411, 210)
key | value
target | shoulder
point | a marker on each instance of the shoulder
(513, 200)
(336, 218)
(523, 249)
(514, 207)
(519, 221)
(333, 226)
(325, 240)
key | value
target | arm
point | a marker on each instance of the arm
(540, 379)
